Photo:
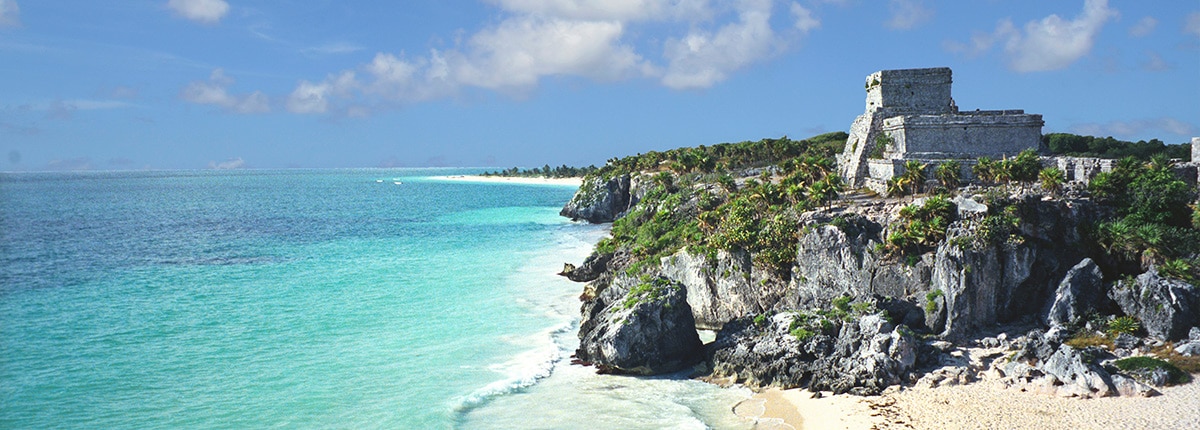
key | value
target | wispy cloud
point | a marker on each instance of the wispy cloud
(1143, 27)
(1132, 129)
(10, 13)
(202, 11)
(805, 20)
(229, 164)
(215, 92)
(332, 48)
(1154, 62)
(908, 14)
(1191, 24)
(1051, 43)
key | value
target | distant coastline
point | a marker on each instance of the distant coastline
(573, 182)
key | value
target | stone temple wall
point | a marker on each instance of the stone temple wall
(963, 135)
(912, 90)
(912, 115)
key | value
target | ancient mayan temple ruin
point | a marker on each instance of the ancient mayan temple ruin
(911, 116)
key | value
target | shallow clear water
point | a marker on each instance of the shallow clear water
(323, 298)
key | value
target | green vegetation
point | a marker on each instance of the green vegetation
(546, 171)
(649, 290)
(1143, 364)
(949, 174)
(689, 206)
(724, 156)
(1155, 219)
(921, 227)
(1107, 147)
(1022, 168)
(931, 297)
(1052, 179)
(1184, 269)
(1125, 324)
(1084, 340)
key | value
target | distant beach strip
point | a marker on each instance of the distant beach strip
(572, 182)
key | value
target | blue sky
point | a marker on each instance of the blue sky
(165, 84)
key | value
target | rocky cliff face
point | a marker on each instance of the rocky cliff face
(861, 356)
(639, 326)
(599, 200)
(1035, 272)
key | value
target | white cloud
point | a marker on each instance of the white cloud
(623, 10)
(1134, 128)
(1143, 27)
(215, 92)
(702, 59)
(201, 11)
(908, 14)
(314, 98)
(1049, 44)
(10, 13)
(1192, 24)
(512, 56)
(518, 52)
(805, 21)
(232, 163)
(539, 39)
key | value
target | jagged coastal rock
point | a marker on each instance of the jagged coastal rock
(1167, 308)
(1081, 292)
(860, 357)
(641, 327)
(600, 200)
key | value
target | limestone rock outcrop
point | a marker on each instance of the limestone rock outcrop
(1080, 292)
(722, 290)
(599, 200)
(642, 327)
(1167, 308)
(861, 357)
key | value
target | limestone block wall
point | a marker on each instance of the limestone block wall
(1195, 149)
(995, 134)
(924, 91)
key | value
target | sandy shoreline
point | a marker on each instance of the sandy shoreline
(981, 405)
(574, 182)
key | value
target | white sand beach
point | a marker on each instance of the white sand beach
(574, 182)
(981, 405)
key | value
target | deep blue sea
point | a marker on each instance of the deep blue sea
(305, 299)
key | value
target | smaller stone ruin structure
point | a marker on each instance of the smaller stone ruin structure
(910, 115)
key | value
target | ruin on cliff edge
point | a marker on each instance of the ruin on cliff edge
(910, 115)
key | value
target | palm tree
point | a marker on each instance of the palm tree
(913, 177)
(1052, 179)
(949, 174)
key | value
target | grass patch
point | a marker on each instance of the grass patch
(1084, 340)
(1175, 375)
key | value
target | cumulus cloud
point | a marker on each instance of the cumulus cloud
(805, 21)
(1192, 24)
(908, 14)
(1143, 27)
(1132, 129)
(1051, 43)
(702, 59)
(9, 13)
(201, 11)
(512, 56)
(590, 39)
(215, 92)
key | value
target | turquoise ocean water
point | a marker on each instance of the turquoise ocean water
(304, 299)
